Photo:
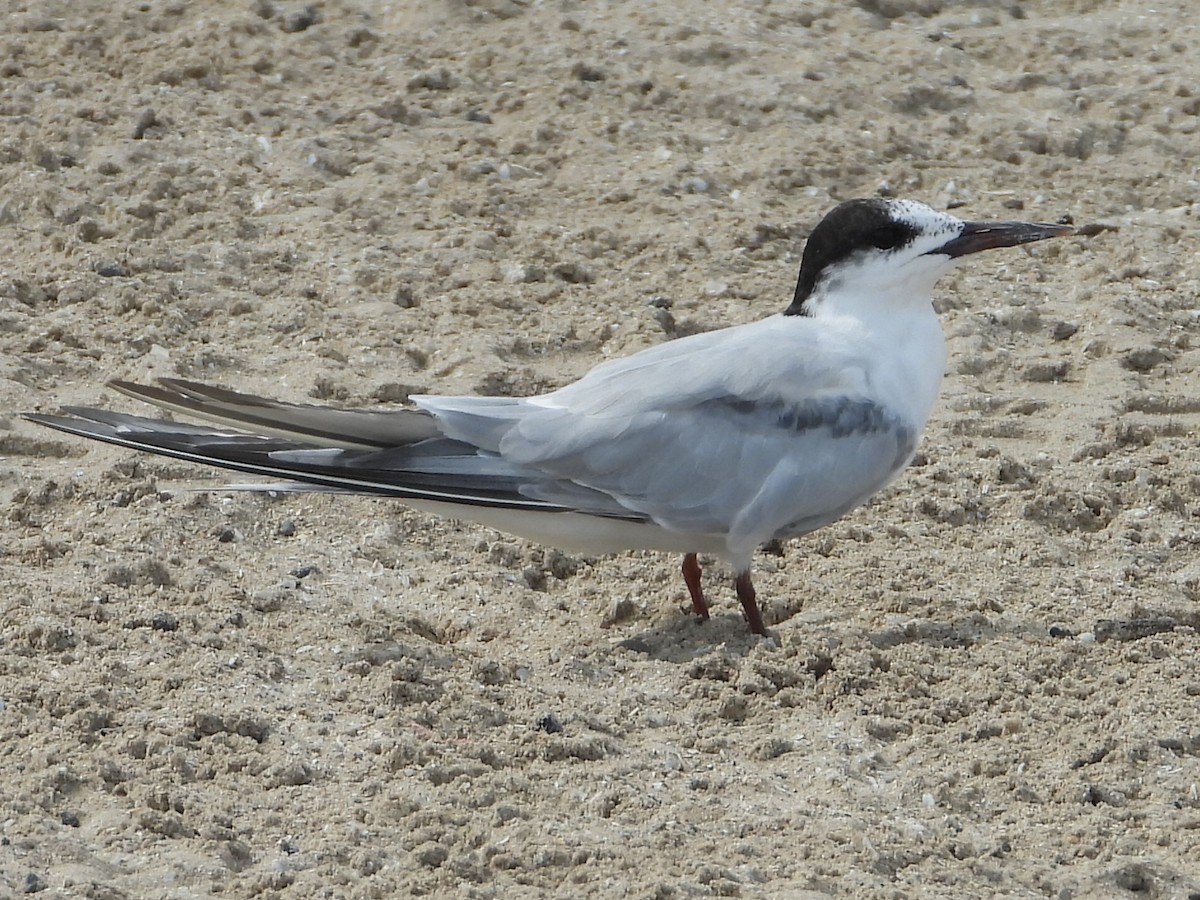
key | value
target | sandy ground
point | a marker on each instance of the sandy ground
(983, 684)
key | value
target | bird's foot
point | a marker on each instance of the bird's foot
(691, 577)
(746, 594)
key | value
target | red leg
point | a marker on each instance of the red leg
(691, 577)
(745, 593)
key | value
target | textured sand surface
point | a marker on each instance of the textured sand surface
(983, 684)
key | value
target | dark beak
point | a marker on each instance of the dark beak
(978, 236)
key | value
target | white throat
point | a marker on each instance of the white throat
(874, 288)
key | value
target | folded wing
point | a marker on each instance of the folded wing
(733, 436)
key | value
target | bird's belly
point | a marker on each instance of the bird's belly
(576, 532)
(858, 490)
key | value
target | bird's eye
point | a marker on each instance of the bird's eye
(887, 237)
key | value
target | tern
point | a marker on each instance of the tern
(712, 444)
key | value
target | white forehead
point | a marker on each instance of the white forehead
(925, 219)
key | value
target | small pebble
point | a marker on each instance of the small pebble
(1064, 330)
(146, 120)
(585, 72)
(436, 80)
(300, 20)
(111, 269)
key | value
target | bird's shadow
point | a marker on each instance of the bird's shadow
(687, 637)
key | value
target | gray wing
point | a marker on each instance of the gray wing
(752, 469)
(437, 469)
(319, 425)
(726, 433)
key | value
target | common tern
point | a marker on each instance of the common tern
(715, 443)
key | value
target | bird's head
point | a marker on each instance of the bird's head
(868, 252)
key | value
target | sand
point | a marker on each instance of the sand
(982, 684)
